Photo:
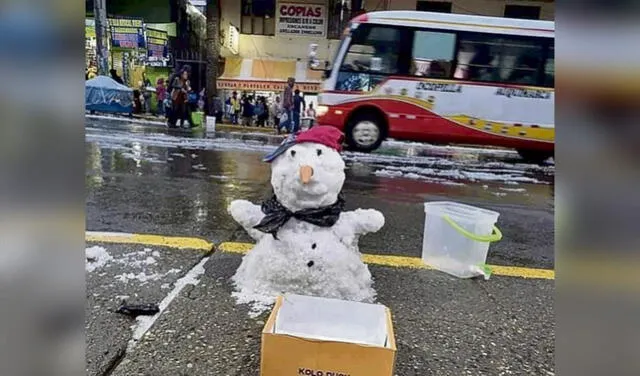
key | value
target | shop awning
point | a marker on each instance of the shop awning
(268, 75)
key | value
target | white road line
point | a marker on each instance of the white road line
(144, 323)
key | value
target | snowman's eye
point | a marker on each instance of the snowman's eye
(293, 153)
(313, 246)
(319, 151)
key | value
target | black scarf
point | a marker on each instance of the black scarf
(276, 215)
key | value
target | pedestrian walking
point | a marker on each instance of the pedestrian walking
(287, 106)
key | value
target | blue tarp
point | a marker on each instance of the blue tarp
(103, 94)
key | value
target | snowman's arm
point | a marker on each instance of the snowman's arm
(361, 221)
(247, 215)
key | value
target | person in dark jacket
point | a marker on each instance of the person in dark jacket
(248, 111)
(179, 99)
(116, 78)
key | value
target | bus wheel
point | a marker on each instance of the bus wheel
(364, 132)
(533, 156)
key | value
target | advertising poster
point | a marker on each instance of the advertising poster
(303, 20)
(127, 33)
(157, 43)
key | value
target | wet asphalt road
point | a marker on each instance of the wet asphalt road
(142, 180)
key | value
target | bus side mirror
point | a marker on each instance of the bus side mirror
(314, 63)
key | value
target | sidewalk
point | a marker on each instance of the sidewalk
(156, 121)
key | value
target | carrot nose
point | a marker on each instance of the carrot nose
(306, 172)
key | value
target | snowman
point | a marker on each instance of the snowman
(305, 242)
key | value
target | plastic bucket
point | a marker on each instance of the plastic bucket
(457, 238)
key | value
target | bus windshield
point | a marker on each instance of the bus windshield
(374, 52)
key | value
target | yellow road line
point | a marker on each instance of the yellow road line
(243, 248)
(157, 240)
(413, 262)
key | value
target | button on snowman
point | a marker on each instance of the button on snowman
(306, 243)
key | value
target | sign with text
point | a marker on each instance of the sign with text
(305, 87)
(233, 39)
(157, 43)
(303, 20)
(127, 32)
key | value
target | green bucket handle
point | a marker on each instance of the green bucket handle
(495, 236)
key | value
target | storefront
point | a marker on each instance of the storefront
(268, 78)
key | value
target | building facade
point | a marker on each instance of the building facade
(266, 41)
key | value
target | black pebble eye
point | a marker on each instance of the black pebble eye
(310, 263)
(319, 152)
(293, 153)
(313, 246)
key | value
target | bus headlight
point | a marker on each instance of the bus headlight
(322, 110)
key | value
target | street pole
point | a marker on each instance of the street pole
(212, 53)
(100, 17)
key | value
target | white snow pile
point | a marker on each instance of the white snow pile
(506, 176)
(96, 257)
(144, 262)
(314, 264)
(144, 277)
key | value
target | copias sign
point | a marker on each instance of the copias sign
(300, 11)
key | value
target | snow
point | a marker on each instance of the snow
(281, 266)
(305, 259)
(455, 176)
(96, 257)
(141, 276)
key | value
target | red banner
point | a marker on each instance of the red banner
(305, 87)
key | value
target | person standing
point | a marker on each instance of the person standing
(287, 105)
(92, 71)
(248, 111)
(179, 97)
(311, 112)
(298, 108)
(235, 108)
(161, 93)
(115, 77)
(276, 111)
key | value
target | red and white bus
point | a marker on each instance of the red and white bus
(443, 78)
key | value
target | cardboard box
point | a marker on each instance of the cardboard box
(320, 352)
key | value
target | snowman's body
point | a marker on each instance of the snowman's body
(305, 258)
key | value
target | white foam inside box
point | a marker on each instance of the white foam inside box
(332, 320)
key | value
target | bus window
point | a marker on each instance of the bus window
(374, 53)
(373, 49)
(433, 54)
(492, 58)
(549, 69)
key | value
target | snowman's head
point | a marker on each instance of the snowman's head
(307, 170)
